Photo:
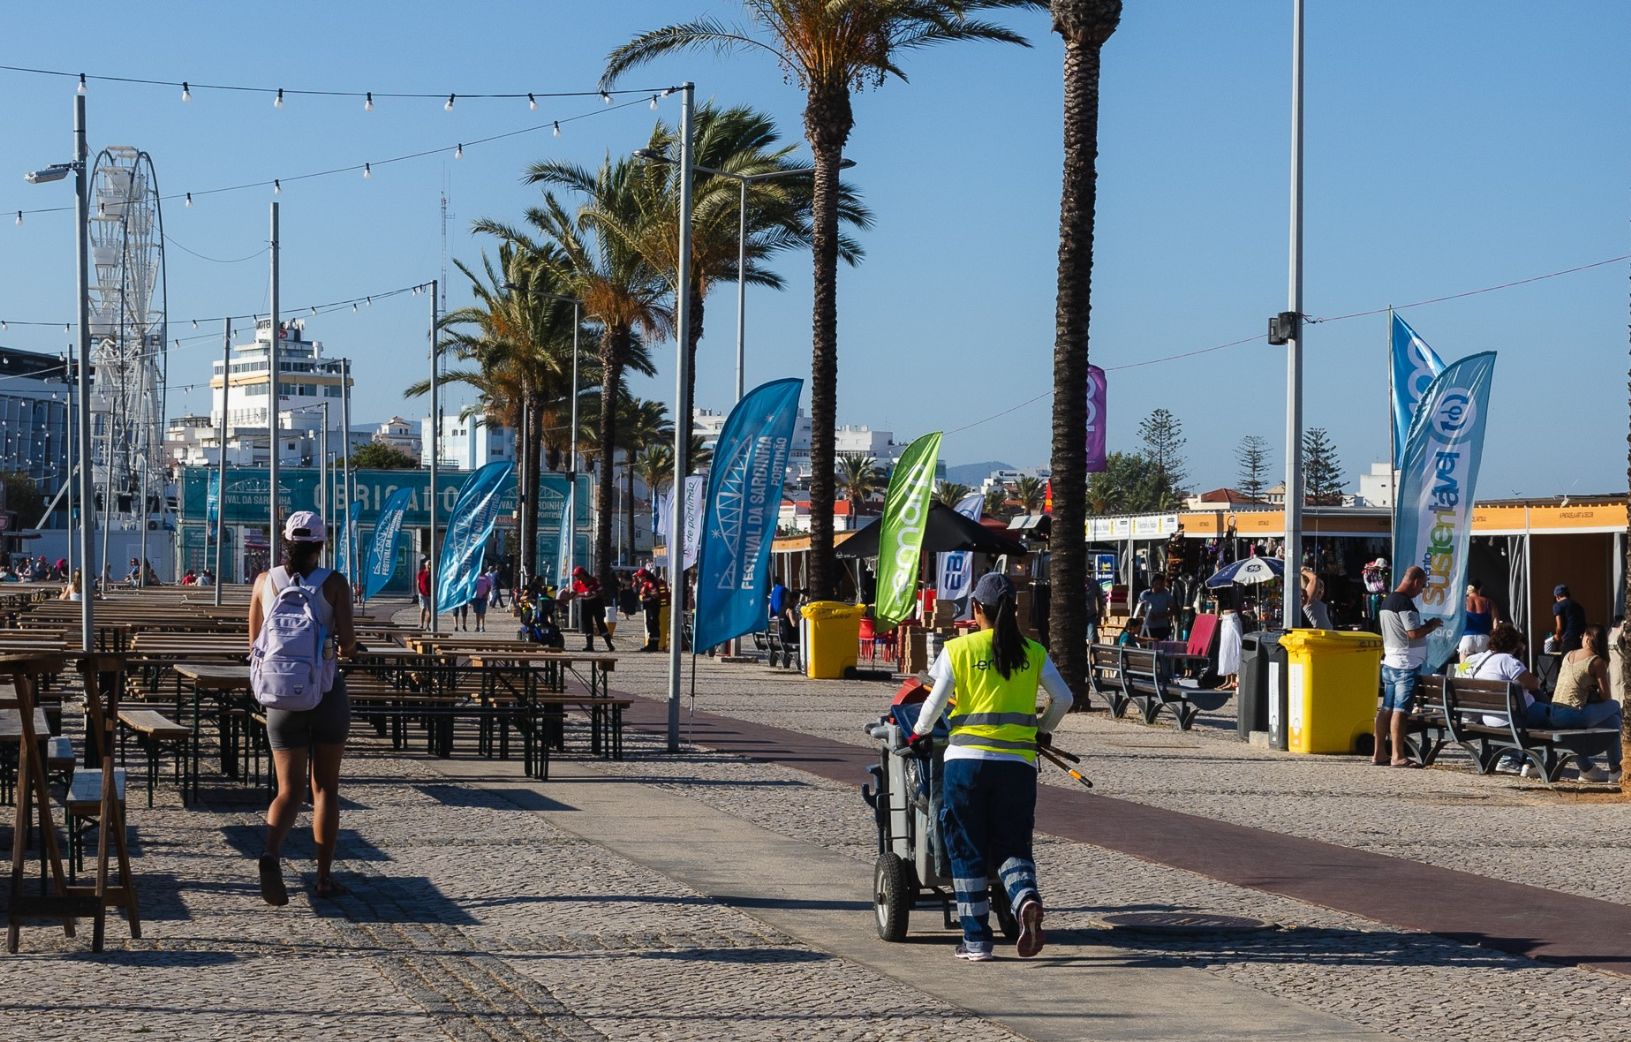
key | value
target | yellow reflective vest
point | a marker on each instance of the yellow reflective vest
(993, 713)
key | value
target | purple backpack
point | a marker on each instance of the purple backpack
(290, 666)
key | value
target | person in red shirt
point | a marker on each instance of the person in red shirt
(591, 608)
(422, 584)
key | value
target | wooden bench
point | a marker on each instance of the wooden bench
(82, 804)
(1425, 731)
(59, 758)
(154, 731)
(1487, 718)
(1147, 682)
(1104, 678)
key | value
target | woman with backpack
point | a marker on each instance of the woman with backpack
(299, 625)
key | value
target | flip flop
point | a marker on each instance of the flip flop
(273, 891)
(1407, 764)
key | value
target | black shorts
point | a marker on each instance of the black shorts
(328, 723)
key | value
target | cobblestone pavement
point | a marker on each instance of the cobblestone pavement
(472, 917)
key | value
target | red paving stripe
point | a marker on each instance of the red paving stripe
(1510, 917)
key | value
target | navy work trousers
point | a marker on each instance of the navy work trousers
(987, 812)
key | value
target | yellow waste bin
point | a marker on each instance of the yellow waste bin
(831, 637)
(1332, 677)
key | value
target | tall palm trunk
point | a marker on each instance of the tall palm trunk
(614, 345)
(1085, 25)
(690, 403)
(628, 501)
(827, 123)
(527, 530)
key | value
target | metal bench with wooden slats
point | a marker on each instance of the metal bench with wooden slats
(1104, 678)
(154, 731)
(1487, 718)
(1425, 733)
(1147, 682)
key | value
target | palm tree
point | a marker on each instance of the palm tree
(1085, 25)
(644, 426)
(1029, 491)
(618, 289)
(996, 502)
(950, 493)
(519, 338)
(859, 476)
(832, 49)
(741, 142)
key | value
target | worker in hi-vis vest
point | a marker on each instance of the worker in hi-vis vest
(988, 788)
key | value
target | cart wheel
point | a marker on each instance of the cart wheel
(1005, 913)
(892, 896)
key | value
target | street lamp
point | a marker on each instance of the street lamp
(87, 515)
(652, 155)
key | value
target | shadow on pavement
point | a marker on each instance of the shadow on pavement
(465, 796)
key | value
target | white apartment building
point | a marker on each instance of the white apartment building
(1376, 486)
(467, 442)
(402, 435)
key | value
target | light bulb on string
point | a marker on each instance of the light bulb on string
(557, 134)
(607, 98)
(195, 323)
(458, 153)
(368, 102)
(186, 92)
(369, 301)
(66, 327)
(367, 171)
(353, 308)
(277, 102)
(532, 103)
(19, 217)
(277, 186)
(654, 103)
(449, 106)
(189, 200)
(81, 90)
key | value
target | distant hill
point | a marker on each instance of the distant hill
(974, 473)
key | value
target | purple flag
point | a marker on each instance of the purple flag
(1095, 420)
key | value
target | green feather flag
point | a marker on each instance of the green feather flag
(905, 516)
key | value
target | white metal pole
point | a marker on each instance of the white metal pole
(272, 408)
(1294, 348)
(69, 458)
(87, 495)
(221, 463)
(569, 526)
(327, 494)
(347, 490)
(435, 452)
(682, 425)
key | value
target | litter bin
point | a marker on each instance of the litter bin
(1259, 651)
(1331, 684)
(831, 638)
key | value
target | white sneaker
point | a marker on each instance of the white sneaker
(1528, 771)
(974, 952)
(1597, 774)
(1508, 767)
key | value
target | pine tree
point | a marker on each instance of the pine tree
(1253, 456)
(1322, 469)
(1163, 437)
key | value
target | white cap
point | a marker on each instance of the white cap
(304, 526)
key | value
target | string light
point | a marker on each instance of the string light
(458, 153)
(186, 92)
(19, 217)
(449, 106)
(368, 102)
(277, 186)
(195, 323)
(353, 308)
(189, 200)
(277, 102)
(367, 172)
(607, 98)
(532, 103)
(654, 103)
(557, 134)
(81, 90)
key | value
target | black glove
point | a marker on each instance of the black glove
(1043, 739)
(920, 743)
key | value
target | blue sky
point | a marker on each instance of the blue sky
(1450, 146)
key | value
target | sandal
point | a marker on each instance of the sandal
(273, 891)
(1407, 763)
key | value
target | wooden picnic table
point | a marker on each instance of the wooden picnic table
(531, 662)
(222, 681)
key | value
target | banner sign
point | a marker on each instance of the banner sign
(1414, 366)
(474, 515)
(563, 515)
(563, 558)
(696, 487)
(382, 548)
(1438, 476)
(343, 546)
(743, 500)
(1096, 456)
(900, 541)
(957, 568)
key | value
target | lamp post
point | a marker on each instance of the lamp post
(87, 499)
(221, 463)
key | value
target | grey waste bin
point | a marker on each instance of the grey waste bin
(1258, 651)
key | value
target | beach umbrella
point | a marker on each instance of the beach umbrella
(1248, 572)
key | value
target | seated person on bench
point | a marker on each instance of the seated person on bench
(1584, 698)
(1501, 662)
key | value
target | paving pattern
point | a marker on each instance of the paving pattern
(471, 917)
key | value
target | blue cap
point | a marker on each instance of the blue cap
(992, 588)
(1560, 590)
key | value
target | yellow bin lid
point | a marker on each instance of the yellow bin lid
(1330, 640)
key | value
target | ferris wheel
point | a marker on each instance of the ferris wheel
(128, 306)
